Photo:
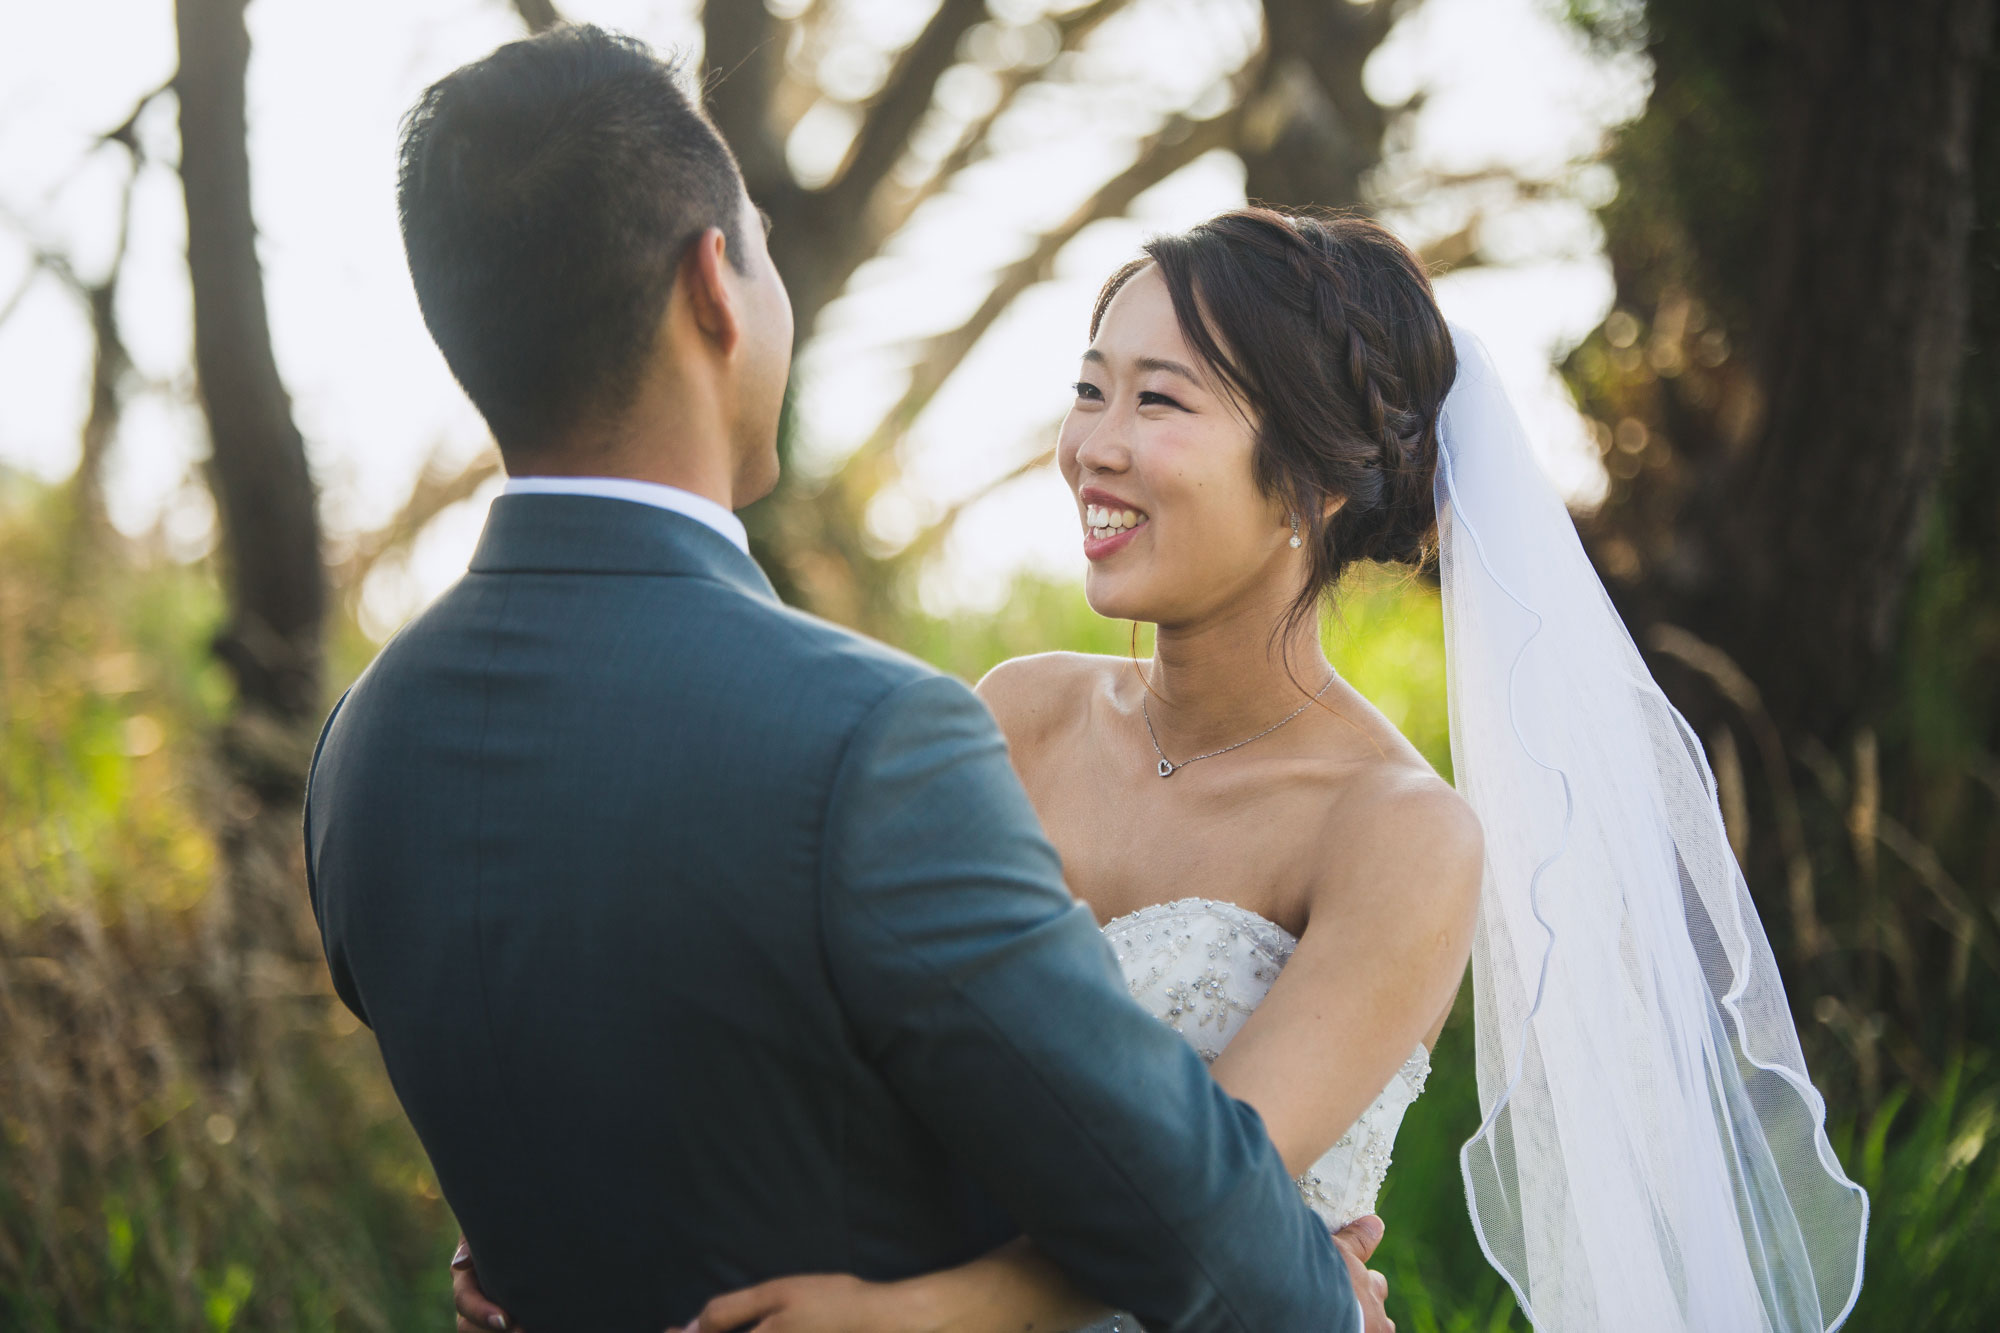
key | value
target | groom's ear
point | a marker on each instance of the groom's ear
(703, 279)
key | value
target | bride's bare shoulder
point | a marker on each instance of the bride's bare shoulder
(1031, 696)
(1406, 826)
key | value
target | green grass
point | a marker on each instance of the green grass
(147, 1180)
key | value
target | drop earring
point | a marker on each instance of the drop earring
(1295, 532)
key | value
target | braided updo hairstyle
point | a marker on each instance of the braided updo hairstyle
(1324, 327)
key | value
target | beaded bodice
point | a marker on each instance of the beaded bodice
(1202, 966)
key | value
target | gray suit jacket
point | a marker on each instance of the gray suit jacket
(706, 942)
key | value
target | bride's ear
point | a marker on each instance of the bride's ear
(1332, 506)
(704, 282)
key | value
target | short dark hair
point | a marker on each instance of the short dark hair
(1324, 325)
(547, 194)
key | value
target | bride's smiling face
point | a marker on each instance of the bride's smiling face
(1159, 459)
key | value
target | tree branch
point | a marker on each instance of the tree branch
(896, 110)
(1174, 146)
(27, 283)
(1729, 679)
(1075, 27)
(127, 132)
(743, 44)
(438, 489)
(111, 361)
(1457, 251)
(795, 89)
(41, 259)
(933, 536)
(111, 365)
(1976, 928)
(538, 15)
(1424, 185)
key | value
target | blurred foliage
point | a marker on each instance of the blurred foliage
(1385, 636)
(138, 1190)
(138, 1187)
(1932, 1171)
(1931, 1166)
(1877, 858)
(1439, 1282)
(1875, 855)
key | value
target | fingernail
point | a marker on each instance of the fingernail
(463, 1258)
(497, 1320)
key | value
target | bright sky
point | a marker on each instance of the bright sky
(1506, 86)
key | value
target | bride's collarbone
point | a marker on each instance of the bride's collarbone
(1128, 846)
(1118, 871)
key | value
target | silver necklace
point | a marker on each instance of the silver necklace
(1168, 767)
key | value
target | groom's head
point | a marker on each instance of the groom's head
(589, 263)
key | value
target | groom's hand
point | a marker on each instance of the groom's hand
(1356, 1242)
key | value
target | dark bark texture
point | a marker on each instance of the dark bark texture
(274, 570)
(263, 489)
(1795, 435)
(1795, 398)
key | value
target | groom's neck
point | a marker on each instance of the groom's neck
(686, 470)
(663, 438)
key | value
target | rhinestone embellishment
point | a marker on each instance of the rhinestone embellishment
(1201, 966)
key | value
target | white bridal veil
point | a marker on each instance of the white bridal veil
(1652, 1156)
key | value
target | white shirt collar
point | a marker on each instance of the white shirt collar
(686, 503)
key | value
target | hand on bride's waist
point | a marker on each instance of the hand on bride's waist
(823, 1303)
(968, 1297)
(813, 1303)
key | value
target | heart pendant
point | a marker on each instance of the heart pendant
(1166, 769)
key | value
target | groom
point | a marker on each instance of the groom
(705, 942)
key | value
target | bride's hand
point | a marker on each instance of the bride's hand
(476, 1314)
(819, 1303)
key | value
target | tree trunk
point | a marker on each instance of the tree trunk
(1322, 132)
(273, 567)
(1871, 214)
(263, 490)
(1776, 392)
(1806, 471)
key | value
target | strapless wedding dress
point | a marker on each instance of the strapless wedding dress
(1202, 966)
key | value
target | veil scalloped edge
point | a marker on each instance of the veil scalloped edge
(1652, 1156)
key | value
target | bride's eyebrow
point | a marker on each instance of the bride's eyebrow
(1149, 363)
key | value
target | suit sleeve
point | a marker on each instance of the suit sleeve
(343, 982)
(990, 1000)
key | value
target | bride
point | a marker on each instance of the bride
(1285, 880)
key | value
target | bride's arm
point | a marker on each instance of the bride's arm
(1376, 969)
